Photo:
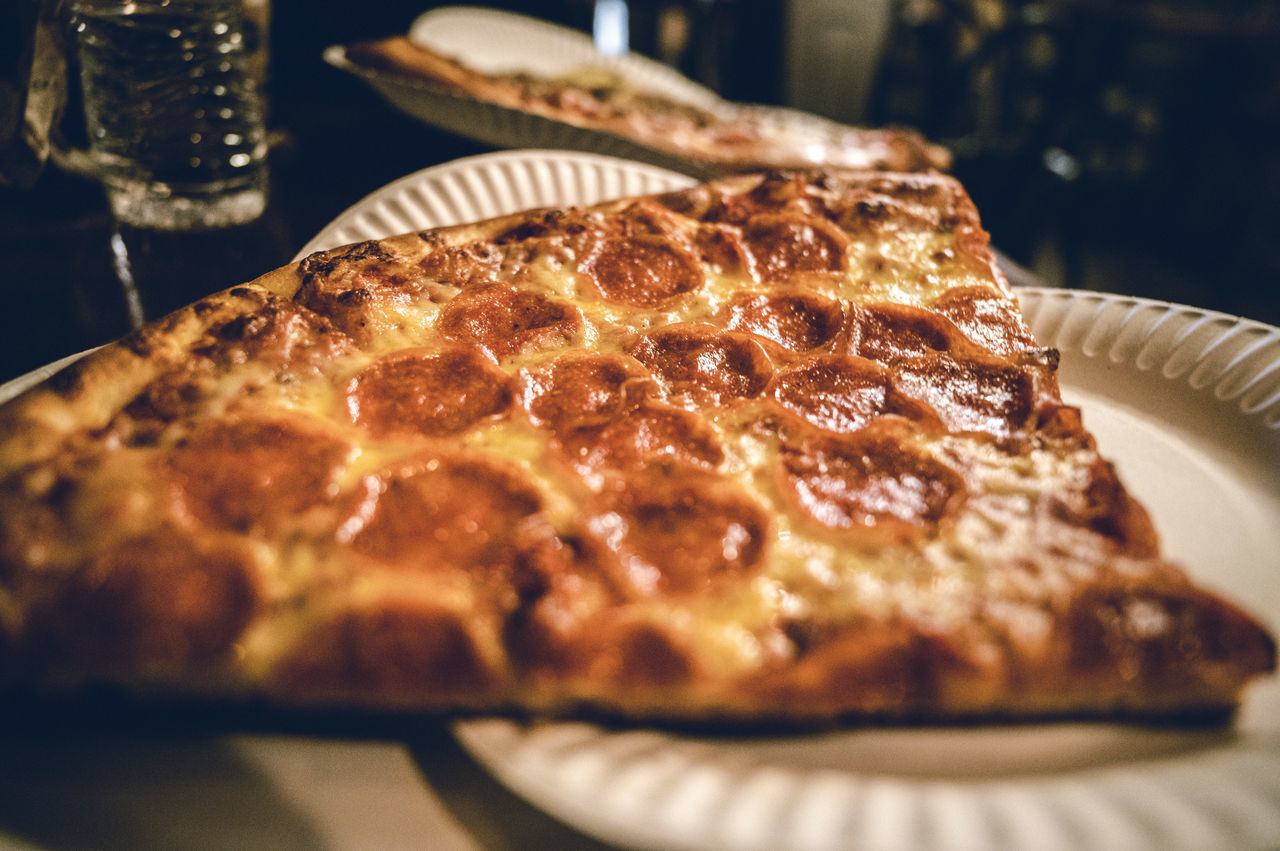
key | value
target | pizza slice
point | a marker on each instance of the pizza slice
(773, 448)
(723, 140)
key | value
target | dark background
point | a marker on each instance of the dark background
(1132, 150)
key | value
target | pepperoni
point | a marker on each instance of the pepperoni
(637, 655)
(553, 225)
(342, 283)
(368, 262)
(782, 246)
(505, 320)
(460, 265)
(970, 395)
(1102, 504)
(704, 363)
(645, 435)
(645, 217)
(870, 482)
(680, 534)
(583, 389)
(843, 394)
(721, 248)
(163, 600)
(987, 318)
(405, 651)
(734, 209)
(429, 393)
(890, 332)
(279, 332)
(785, 189)
(798, 323)
(868, 666)
(642, 271)
(609, 651)
(772, 193)
(929, 191)
(1156, 635)
(434, 514)
(247, 474)
(868, 212)
(286, 338)
(1062, 423)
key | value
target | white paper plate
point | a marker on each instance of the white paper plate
(1185, 401)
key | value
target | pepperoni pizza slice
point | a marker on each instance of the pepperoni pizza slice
(727, 139)
(773, 448)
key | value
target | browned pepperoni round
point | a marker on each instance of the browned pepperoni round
(783, 246)
(1102, 504)
(774, 192)
(505, 320)
(462, 264)
(635, 655)
(680, 534)
(971, 395)
(721, 247)
(645, 435)
(157, 601)
(245, 474)
(704, 363)
(402, 651)
(433, 513)
(279, 332)
(643, 271)
(889, 332)
(987, 318)
(553, 226)
(582, 389)
(428, 393)
(609, 650)
(870, 482)
(843, 394)
(365, 270)
(1152, 634)
(798, 323)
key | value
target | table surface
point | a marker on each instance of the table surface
(106, 773)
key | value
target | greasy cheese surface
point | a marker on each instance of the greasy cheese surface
(773, 447)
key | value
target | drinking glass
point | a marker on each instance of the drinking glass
(173, 109)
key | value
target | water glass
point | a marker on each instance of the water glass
(173, 109)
